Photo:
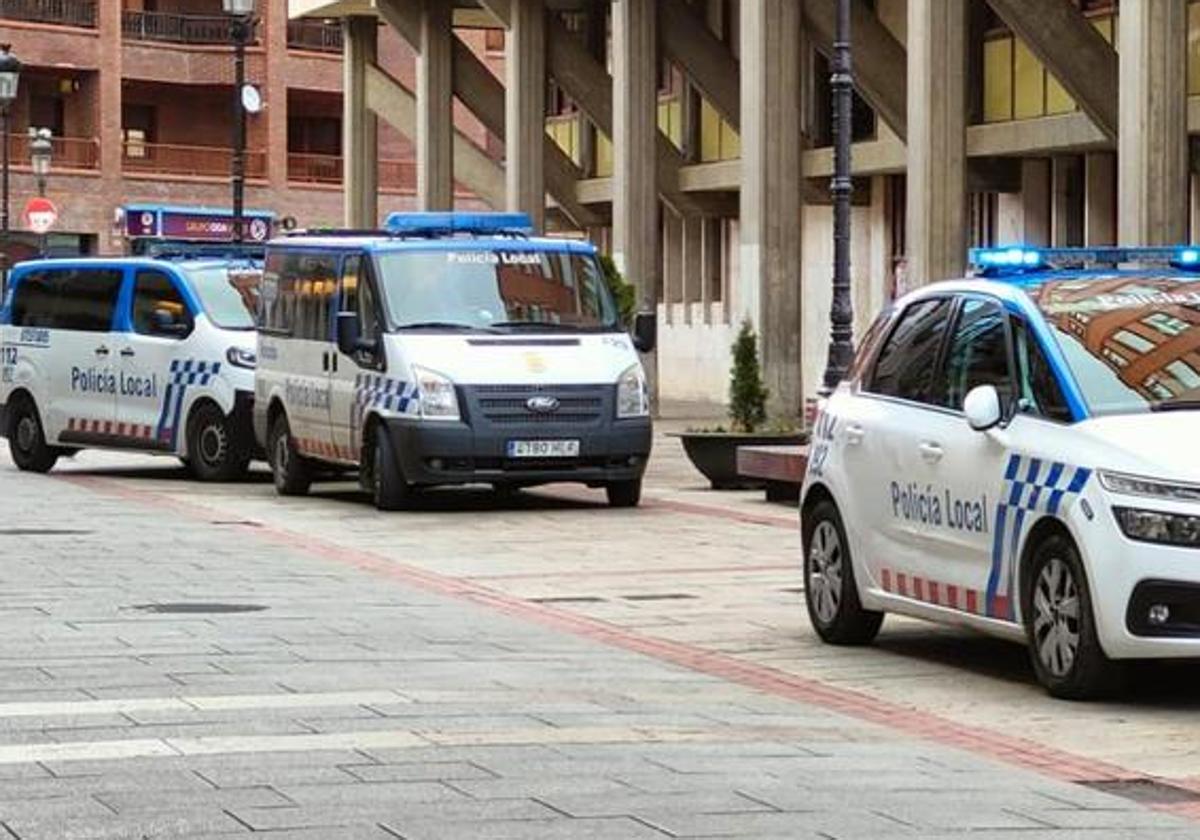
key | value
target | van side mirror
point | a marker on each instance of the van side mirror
(645, 331)
(349, 336)
(982, 408)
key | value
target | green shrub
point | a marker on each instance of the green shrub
(623, 292)
(747, 393)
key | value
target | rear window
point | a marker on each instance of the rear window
(81, 299)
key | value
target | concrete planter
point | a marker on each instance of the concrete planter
(715, 454)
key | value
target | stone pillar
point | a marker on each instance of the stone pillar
(360, 157)
(274, 32)
(525, 110)
(693, 265)
(435, 115)
(1035, 201)
(108, 116)
(937, 113)
(1153, 133)
(711, 270)
(1066, 206)
(672, 259)
(1100, 199)
(769, 291)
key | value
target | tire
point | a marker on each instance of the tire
(215, 453)
(624, 494)
(1060, 625)
(292, 473)
(830, 591)
(389, 490)
(27, 440)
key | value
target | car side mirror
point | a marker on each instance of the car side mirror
(164, 323)
(349, 336)
(645, 331)
(982, 408)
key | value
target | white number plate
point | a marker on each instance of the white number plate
(543, 448)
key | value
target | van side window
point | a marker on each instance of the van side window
(358, 296)
(158, 307)
(298, 293)
(908, 359)
(1038, 391)
(81, 299)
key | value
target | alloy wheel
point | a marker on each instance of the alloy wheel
(825, 571)
(26, 433)
(1056, 617)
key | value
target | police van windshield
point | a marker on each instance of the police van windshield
(228, 294)
(496, 290)
(1132, 342)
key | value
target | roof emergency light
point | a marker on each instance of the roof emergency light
(1019, 259)
(433, 224)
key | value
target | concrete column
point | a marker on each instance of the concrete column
(1066, 205)
(274, 31)
(1153, 128)
(360, 156)
(435, 115)
(672, 259)
(108, 116)
(525, 110)
(693, 265)
(937, 192)
(711, 270)
(769, 289)
(1100, 199)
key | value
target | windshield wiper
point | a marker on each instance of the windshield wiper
(1191, 404)
(444, 325)
(542, 325)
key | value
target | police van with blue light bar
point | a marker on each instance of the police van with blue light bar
(444, 349)
(140, 354)
(1016, 453)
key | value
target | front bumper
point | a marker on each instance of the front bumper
(455, 453)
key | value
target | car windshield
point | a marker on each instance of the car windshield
(229, 294)
(496, 290)
(1132, 341)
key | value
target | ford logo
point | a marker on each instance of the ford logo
(542, 405)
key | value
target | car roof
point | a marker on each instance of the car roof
(383, 242)
(148, 262)
(1020, 288)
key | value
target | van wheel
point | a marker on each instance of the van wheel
(27, 441)
(624, 494)
(214, 451)
(292, 473)
(1061, 628)
(830, 590)
(389, 490)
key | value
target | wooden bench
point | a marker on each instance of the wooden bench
(781, 468)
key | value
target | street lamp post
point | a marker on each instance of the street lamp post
(10, 76)
(241, 29)
(41, 153)
(841, 313)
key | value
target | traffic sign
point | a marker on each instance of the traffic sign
(40, 214)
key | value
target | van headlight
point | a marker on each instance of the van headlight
(436, 395)
(1156, 526)
(633, 395)
(242, 358)
(1136, 485)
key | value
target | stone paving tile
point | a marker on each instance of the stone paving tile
(357, 813)
(609, 828)
(457, 772)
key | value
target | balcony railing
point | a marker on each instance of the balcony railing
(194, 161)
(68, 152)
(315, 35)
(306, 168)
(177, 29)
(62, 12)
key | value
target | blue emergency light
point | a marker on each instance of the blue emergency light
(993, 262)
(434, 224)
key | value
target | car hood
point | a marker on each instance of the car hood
(1153, 444)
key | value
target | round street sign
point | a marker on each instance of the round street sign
(40, 214)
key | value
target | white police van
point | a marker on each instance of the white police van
(154, 355)
(1017, 453)
(448, 348)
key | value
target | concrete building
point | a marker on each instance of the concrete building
(691, 138)
(138, 96)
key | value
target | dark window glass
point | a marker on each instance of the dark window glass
(297, 294)
(1040, 392)
(81, 299)
(868, 344)
(978, 353)
(358, 296)
(909, 357)
(158, 307)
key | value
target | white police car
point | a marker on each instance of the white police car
(155, 355)
(1017, 453)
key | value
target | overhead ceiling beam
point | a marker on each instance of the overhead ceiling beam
(880, 61)
(1073, 50)
(708, 62)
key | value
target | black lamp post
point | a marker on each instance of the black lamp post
(841, 313)
(41, 153)
(241, 30)
(10, 76)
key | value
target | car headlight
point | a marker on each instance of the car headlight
(436, 395)
(633, 396)
(1134, 485)
(238, 357)
(1156, 526)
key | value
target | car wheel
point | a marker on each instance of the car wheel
(1061, 627)
(830, 591)
(291, 471)
(389, 490)
(27, 441)
(214, 451)
(624, 494)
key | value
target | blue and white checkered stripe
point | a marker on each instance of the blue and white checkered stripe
(184, 373)
(1031, 486)
(374, 390)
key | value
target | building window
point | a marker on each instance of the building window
(138, 129)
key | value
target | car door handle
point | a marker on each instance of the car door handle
(127, 352)
(101, 350)
(931, 451)
(855, 434)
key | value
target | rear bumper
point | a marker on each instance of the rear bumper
(455, 453)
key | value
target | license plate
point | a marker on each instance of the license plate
(543, 448)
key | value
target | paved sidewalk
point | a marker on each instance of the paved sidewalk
(178, 660)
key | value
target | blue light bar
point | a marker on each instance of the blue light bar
(1018, 259)
(432, 224)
